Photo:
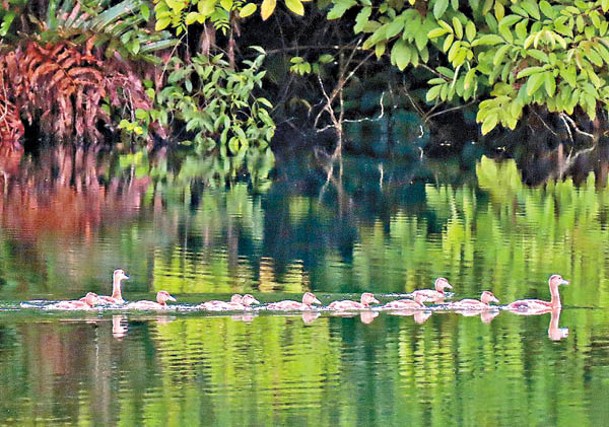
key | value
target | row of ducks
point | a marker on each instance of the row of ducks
(415, 301)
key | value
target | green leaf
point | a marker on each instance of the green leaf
(547, 9)
(400, 54)
(433, 93)
(531, 8)
(448, 41)
(446, 72)
(437, 32)
(490, 122)
(362, 19)
(470, 31)
(439, 8)
(529, 72)
(162, 23)
(267, 8)
(549, 83)
(488, 40)
(247, 10)
(191, 18)
(340, 7)
(538, 54)
(569, 74)
(534, 83)
(295, 6)
(500, 54)
(145, 11)
(458, 28)
(394, 28)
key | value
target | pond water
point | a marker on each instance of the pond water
(200, 230)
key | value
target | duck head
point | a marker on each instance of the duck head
(557, 280)
(248, 300)
(487, 297)
(163, 296)
(119, 275)
(441, 283)
(368, 298)
(308, 298)
(236, 299)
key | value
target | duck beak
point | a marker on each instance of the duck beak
(316, 301)
(375, 301)
(564, 282)
(495, 299)
(255, 301)
(170, 298)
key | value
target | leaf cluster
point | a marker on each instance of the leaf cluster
(67, 89)
(214, 102)
(508, 56)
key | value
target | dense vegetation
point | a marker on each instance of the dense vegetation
(219, 74)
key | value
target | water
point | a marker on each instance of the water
(381, 227)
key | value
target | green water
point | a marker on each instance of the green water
(379, 227)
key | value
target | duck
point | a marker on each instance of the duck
(217, 305)
(406, 304)
(308, 299)
(470, 304)
(117, 297)
(537, 306)
(434, 295)
(237, 303)
(161, 302)
(366, 299)
(85, 303)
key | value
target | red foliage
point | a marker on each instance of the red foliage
(61, 87)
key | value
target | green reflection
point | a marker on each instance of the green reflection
(194, 370)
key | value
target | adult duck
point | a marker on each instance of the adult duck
(435, 295)
(406, 304)
(85, 303)
(308, 299)
(117, 296)
(161, 302)
(366, 299)
(537, 306)
(470, 304)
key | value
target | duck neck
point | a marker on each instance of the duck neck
(116, 289)
(555, 300)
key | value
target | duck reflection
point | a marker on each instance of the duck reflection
(120, 326)
(487, 316)
(309, 317)
(365, 316)
(556, 333)
(419, 316)
(247, 317)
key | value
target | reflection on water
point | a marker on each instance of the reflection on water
(213, 370)
(69, 218)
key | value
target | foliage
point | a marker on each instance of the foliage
(215, 102)
(67, 89)
(78, 72)
(508, 55)
(179, 14)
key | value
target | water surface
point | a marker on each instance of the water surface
(70, 219)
